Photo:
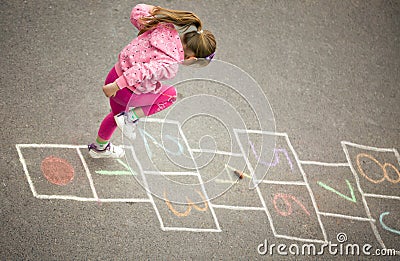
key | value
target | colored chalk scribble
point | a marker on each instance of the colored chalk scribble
(188, 207)
(353, 196)
(383, 167)
(127, 171)
(385, 226)
(57, 171)
(276, 156)
(288, 205)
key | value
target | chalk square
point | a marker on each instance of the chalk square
(292, 212)
(386, 213)
(197, 219)
(335, 189)
(270, 156)
(161, 146)
(376, 169)
(351, 232)
(220, 181)
(227, 188)
(34, 156)
(181, 206)
(115, 179)
(208, 134)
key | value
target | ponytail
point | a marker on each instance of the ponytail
(183, 19)
(201, 42)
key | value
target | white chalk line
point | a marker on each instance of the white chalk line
(25, 168)
(219, 152)
(277, 182)
(66, 197)
(61, 146)
(123, 200)
(76, 198)
(170, 173)
(89, 176)
(303, 239)
(225, 181)
(397, 155)
(346, 216)
(326, 164)
(381, 196)
(238, 207)
(368, 212)
(187, 229)
(260, 132)
(367, 147)
(273, 182)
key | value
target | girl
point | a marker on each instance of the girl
(151, 57)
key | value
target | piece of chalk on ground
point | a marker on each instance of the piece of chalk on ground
(238, 173)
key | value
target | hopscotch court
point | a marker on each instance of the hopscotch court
(364, 190)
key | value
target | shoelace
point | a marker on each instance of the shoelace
(93, 147)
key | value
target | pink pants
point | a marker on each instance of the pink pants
(149, 102)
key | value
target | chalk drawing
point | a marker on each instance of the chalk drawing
(88, 174)
(381, 196)
(382, 166)
(353, 197)
(188, 207)
(304, 182)
(346, 217)
(77, 149)
(143, 173)
(385, 226)
(346, 144)
(127, 171)
(57, 170)
(285, 198)
(276, 156)
(146, 135)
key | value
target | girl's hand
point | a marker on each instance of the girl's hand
(110, 89)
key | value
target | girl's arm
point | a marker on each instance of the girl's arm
(110, 89)
(146, 77)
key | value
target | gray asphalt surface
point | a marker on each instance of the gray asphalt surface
(330, 70)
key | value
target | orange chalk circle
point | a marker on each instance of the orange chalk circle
(382, 166)
(57, 170)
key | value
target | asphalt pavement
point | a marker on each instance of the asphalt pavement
(328, 73)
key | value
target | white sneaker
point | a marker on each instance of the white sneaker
(127, 127)
(111, 151)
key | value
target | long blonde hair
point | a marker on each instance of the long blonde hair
(201, 42)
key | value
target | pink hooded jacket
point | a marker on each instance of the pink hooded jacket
(151, 57)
